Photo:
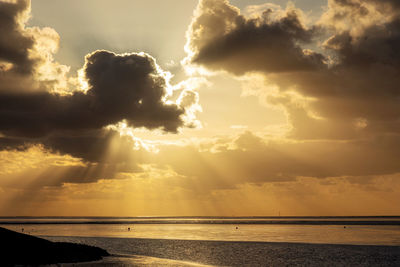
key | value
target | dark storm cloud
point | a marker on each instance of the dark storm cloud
(221, 38)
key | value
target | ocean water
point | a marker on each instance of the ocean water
(319, 230)
(167, 252)
(156, 241)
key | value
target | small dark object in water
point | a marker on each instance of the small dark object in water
(237, 227)
(129, 228)
(344, 226)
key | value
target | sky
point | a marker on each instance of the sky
(199, 108)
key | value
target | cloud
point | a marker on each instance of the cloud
(26, 53)
(220, 38)
(235, 161)
(14, 44)
(202, 168)
(130, 87)
(353, 78)
(121, 87)
(111, 88)
(353, 97)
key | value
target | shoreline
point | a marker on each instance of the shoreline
(22, 249)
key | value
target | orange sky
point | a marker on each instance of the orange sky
(199, 108)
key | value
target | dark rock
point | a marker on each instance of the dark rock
(22, 249)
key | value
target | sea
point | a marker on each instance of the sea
(121, 235)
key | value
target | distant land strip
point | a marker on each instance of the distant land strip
(198, 217)
(285, 222)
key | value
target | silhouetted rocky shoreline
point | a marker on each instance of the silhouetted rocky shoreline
(21, 249)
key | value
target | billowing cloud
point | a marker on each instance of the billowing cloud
(349, 90)
(221, 38)
(14, 45)
(337, 79)
(26, 53)
(112, 88)
(121, 87)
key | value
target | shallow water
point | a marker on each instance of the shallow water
(196, 244)
(325, 234)
(135, 260)
(164, 252)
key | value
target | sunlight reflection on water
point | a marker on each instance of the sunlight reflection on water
(137, 261)
(330, 234)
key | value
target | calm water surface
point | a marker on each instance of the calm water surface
(328, 234)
